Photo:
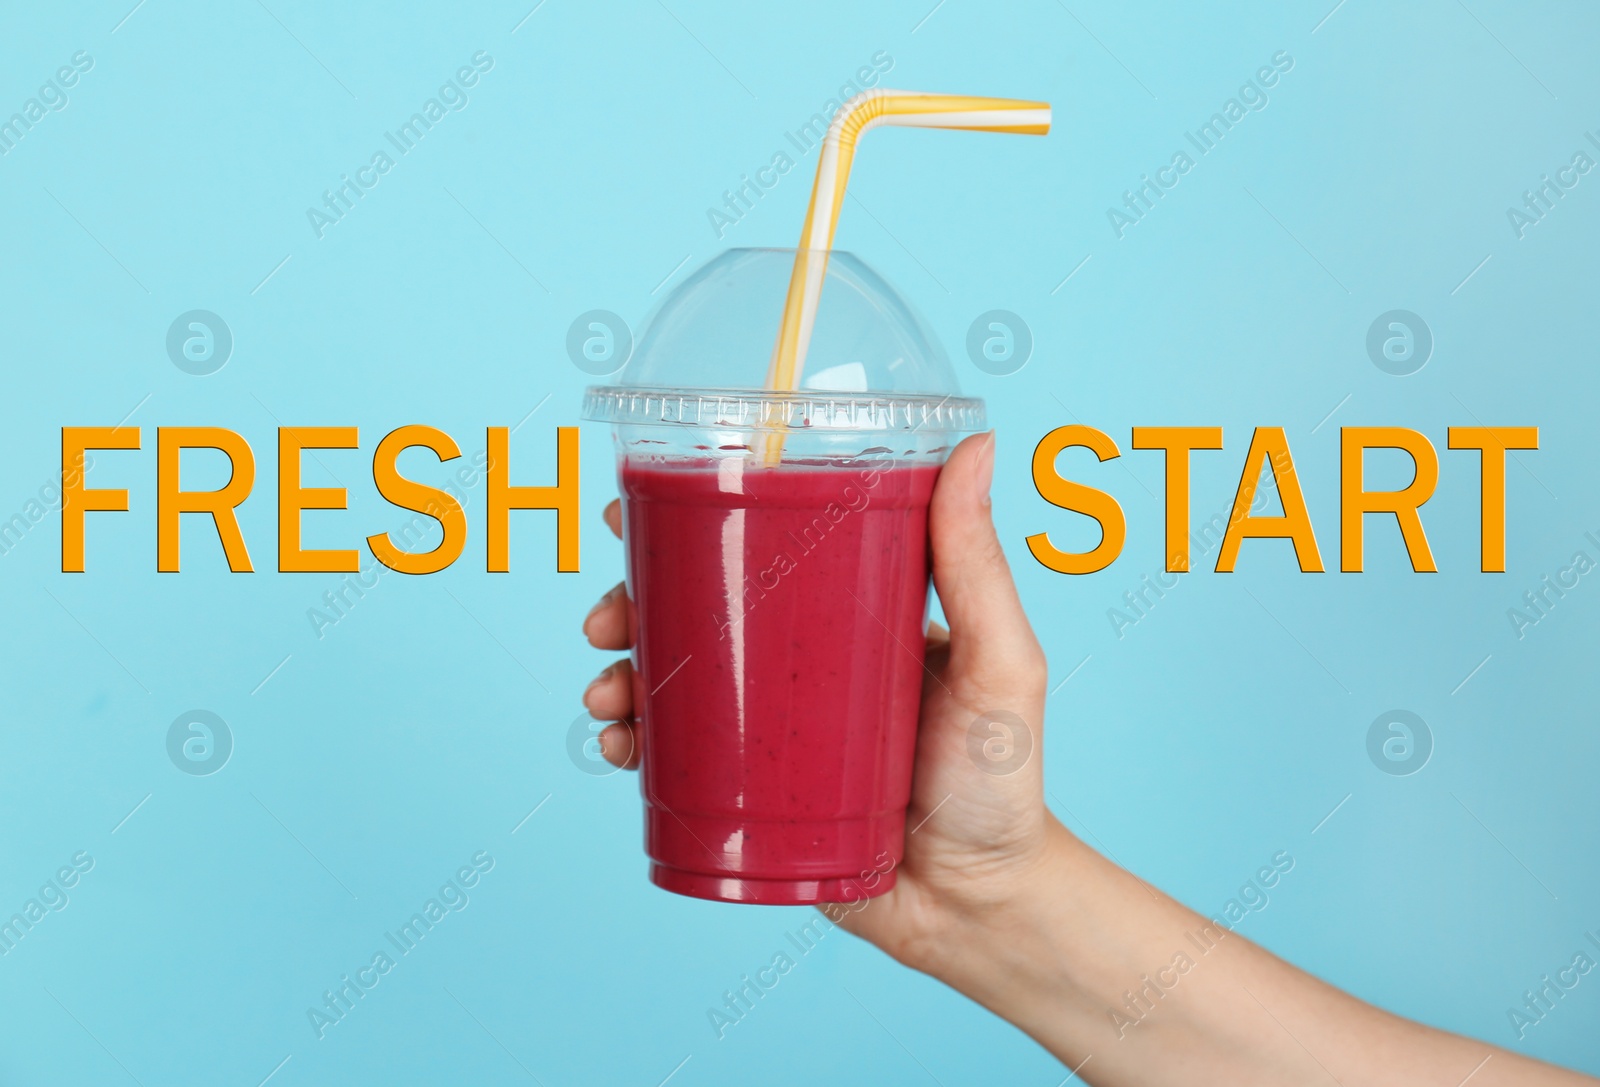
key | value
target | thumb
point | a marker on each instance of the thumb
(991, 643)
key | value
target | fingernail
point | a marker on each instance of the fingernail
(604, 600)
(596, 681)
(986, 466)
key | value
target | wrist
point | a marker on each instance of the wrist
(1054, 955)
(999, 948)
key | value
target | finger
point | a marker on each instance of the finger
(610, 695)
(613, 516)
(618, 746)
(937, 635)
(991, 642)
(607, 625)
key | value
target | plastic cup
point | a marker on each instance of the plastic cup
(779, 610)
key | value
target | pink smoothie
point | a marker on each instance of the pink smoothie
(778, 671)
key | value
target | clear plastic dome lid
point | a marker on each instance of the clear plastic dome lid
(702, 357)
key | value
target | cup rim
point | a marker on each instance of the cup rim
(773, 409)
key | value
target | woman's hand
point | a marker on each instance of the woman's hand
(997, 899)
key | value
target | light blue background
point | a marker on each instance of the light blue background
(432, 719)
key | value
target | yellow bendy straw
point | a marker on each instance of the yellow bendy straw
(868, 110)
